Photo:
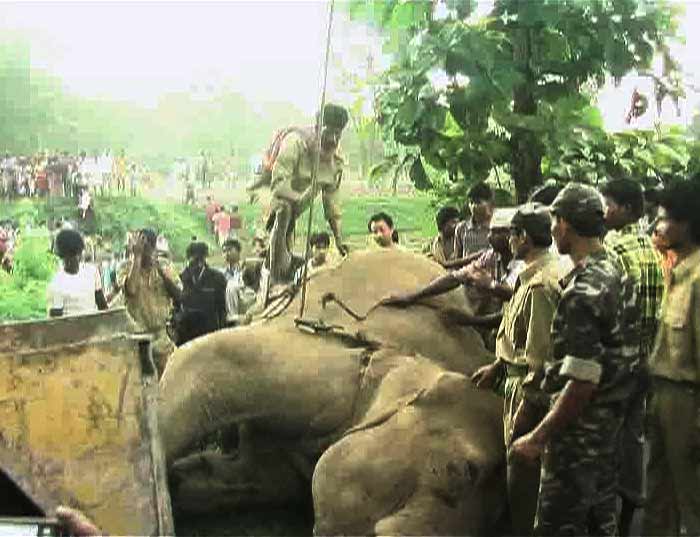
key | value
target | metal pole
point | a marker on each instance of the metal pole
(317, 157)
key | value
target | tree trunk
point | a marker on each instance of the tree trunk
(526, 149)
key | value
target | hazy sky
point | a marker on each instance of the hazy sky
(264, 49)
(267, 50)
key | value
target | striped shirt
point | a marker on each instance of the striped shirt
(470, 238)
(642, 263)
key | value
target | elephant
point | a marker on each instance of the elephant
(375, 410)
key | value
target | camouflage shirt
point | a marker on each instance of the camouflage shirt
(595, 330)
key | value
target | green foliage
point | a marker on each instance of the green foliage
(179, 223)
(514, 83)
(24, 291)
(652, 157)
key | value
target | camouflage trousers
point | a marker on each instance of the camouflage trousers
(523, 478)
(579, 475)
(632, 478)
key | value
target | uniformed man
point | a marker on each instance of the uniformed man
(674, 406)
(595, 341)
(292, 193)
(523, 345)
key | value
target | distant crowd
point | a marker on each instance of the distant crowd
(62, 174)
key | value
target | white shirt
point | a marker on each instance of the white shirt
(74, 293)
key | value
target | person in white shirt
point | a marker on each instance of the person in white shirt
(77, 287)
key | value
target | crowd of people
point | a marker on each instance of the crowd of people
(587, 298)
(62, 174)
(589, 301)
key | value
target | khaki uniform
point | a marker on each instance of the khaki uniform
(150, 306)
(441, 250)
(292, 175)
(674, 408)
(523, 345)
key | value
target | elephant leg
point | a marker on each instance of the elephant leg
(213, 482)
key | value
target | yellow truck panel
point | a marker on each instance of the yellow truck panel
(78, 420)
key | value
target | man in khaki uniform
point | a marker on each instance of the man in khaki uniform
(674, 407)
(523, 344)
(292, 191)
(150, 287)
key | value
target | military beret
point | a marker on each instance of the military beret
(534, 219)
(502, 218)
(582, 206)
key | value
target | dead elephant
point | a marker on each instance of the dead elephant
(379, 415)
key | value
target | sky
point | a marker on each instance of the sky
(267, 50)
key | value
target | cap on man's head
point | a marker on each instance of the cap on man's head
(535, 220)
(502, 218)
(335, 116)
(582, 206)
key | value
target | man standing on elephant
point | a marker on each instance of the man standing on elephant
(523, 345)
(292, 191)
(595, 344)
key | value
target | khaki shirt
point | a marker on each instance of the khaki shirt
(441, 250)
(523, 337)
(150, 305)
(292, 172)
(676, 354)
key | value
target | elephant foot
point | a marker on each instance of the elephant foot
(213, 482)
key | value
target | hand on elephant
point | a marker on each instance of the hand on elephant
(451, 315)
(397, 301)
(527, 448)
(76, 523)
(486, 376)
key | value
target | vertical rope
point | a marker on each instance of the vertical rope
(317, 158)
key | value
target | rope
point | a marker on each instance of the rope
(317, 158)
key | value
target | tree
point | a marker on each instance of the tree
(475, 95)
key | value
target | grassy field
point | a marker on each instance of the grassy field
(23, 293)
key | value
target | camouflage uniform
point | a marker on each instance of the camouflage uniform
(595, 338)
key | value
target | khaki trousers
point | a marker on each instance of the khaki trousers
(674, 444)
(523, 479)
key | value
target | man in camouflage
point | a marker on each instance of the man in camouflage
(522, 348)
(292, 191)
(674, 364)
(595, 343)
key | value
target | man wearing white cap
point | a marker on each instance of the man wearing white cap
(488, 281)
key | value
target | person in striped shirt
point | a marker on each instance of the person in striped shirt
(472, 234)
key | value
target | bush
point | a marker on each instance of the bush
(24, 291)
